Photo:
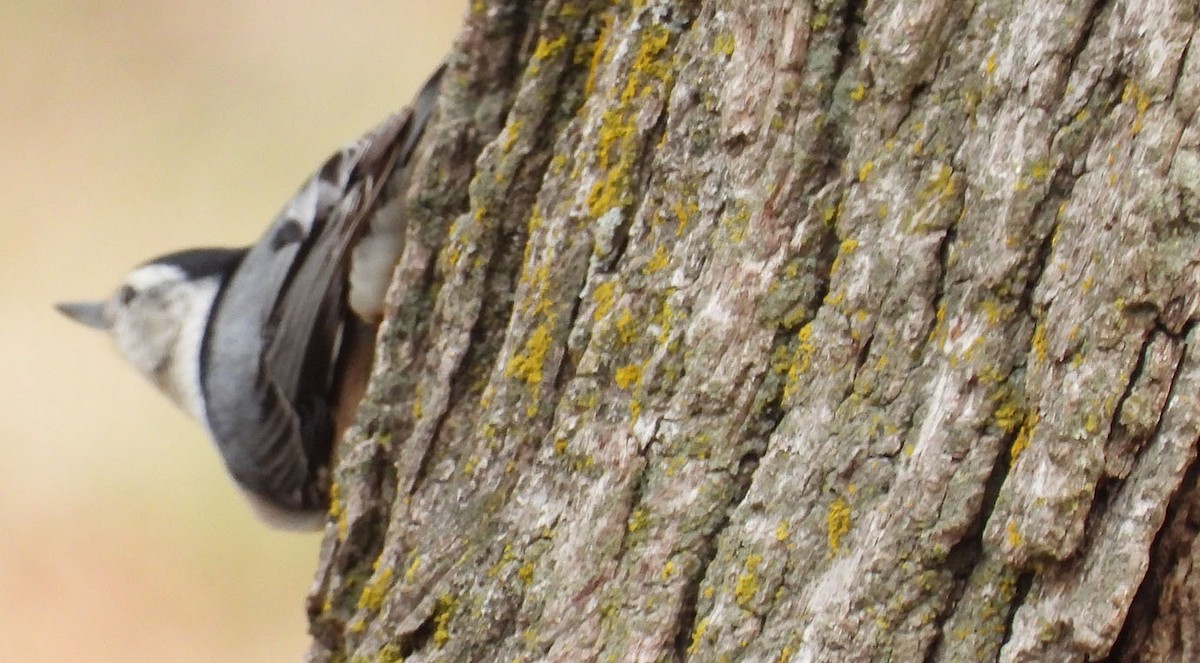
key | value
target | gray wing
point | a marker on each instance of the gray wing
(269, 388)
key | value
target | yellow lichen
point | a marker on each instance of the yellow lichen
(536, 220)
(747, 581)
(603, 294)
(737, 223)
(724, 44)
(1008, 415)
(410, 574)
(511, 132)
(992, 311)
(1040, 171)
(637, 520)
(626, 327)
(942, 183)
(527, 365)
(390, 653)
(547, 48)
(1013, 535)
(525, 573)
(1039, 342)
(837, 523)
(657, 261)
(800, 361)
(441, 620)
(664, 320)
(668, 570)
(1141, 101)
(1022, 441)
(844, 249)
(374, 592)
(336, 511)
(618, 135)
(597, 54)
(628, 376)
(684, 211)
(831, 213)
(698, 634)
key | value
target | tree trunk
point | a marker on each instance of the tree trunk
(770, 331)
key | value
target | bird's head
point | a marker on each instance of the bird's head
(158, 314)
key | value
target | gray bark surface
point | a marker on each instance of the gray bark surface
(772, 331)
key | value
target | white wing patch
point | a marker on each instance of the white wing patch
(324, 190)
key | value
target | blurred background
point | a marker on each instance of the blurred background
(127, 130)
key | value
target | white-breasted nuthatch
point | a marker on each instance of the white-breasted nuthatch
(264, 345)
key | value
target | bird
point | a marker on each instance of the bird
(268, 346)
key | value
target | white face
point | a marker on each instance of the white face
(146, 315)
(157, 319)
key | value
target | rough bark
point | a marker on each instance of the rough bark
(772, 331)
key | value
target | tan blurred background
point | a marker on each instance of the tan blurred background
(129, 129)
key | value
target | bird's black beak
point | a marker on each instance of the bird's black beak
(86, 313)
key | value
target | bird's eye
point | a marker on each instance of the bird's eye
(126, 294)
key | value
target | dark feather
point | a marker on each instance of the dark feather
(198, 264)
(296, 280)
